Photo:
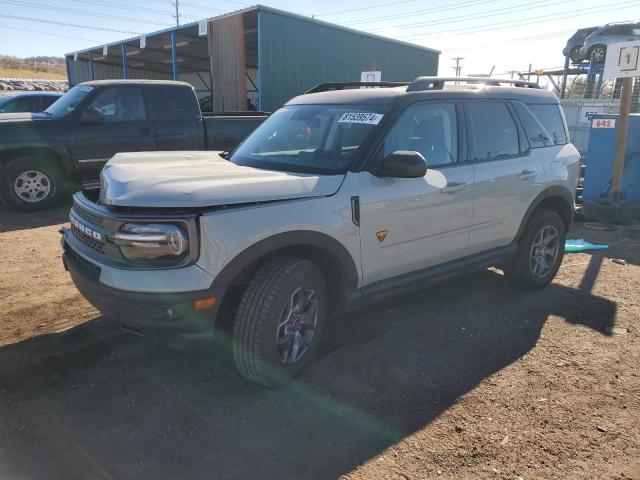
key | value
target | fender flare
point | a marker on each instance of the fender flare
(292, 239)
(554, 191)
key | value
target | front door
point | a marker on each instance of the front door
(408, 224)
(125, 128)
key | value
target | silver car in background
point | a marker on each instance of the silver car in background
(595, 45)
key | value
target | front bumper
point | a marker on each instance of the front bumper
(170, 313)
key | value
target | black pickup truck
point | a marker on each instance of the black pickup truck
(71, 140)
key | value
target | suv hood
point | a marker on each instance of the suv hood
(201, 179)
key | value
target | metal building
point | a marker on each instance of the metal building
(259, 54)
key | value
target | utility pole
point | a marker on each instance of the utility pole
(457, 68)
(177, 15)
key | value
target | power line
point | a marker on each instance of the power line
(65, 24)
(398, 2)
(479, 15)
(77, 12)
(48, 33)
(570, 14)
(413, 13)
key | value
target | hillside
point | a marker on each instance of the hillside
(32, 67)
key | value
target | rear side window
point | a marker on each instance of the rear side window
(551, 118)
(536, 132)
(493, 131)
(172, 103)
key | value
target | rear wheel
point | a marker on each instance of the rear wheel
(31, 183)
(279, 321)
(575, 55)
(540, 251)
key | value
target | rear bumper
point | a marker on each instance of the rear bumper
(154, 313)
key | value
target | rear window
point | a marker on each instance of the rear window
(551, 118)
(494, 133)
(174, 103)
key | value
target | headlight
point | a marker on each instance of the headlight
(152, 241)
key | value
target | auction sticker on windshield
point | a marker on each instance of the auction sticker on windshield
(360, 117)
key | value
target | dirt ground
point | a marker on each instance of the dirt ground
(469, 379)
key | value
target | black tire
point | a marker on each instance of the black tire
(46, 173)
(575, 56)
(521, 269)
(255, 330)
(598, 54)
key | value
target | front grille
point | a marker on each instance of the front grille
(89, 241)
(87, 215)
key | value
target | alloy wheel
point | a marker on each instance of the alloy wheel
(32, 186)
(544, 251)
(297, 325)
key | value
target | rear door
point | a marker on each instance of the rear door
(125, 128)
(507, 175)
(176, 118)
(408, 224)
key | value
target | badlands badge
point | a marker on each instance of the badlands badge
(382, 234)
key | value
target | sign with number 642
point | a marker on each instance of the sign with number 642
(603, 123)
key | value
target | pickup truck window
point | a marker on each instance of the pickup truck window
(120, 104)
(430, 129)
(69, 101)
(308, 138)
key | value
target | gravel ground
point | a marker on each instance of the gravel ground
(468, 379)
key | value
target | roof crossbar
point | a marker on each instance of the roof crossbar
(437, 83)
(324, 87)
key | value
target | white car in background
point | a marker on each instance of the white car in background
(595, 45)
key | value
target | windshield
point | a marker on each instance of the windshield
(309, 138)
(69, 101)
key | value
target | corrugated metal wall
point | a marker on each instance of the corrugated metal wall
(80, 72)
(296, 54)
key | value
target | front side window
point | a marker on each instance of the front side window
(309, 138)
(550, 116)
(430, 129)
(494, 133)
(120, 104)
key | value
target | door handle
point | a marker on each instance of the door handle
(526, 174)
(144, 130)
(453, 187)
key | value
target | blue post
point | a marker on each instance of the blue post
(259, 64)
(174, 56)
(124, 62)
(91, 66)
(69, 71)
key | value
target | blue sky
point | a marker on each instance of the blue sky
(509, 34)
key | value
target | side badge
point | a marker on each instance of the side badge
(382, 234)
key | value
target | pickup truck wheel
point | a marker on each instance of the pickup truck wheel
(540, 251)
(279, 321)
(29, 183)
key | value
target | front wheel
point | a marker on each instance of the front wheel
(540, 251)
(279, 320)
(31, 183)
(598, 54)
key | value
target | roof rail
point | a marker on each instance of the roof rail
(437, 83)
(323, 87)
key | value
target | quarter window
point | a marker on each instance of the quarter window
(536, 133)
(493, 132)
(430, 129)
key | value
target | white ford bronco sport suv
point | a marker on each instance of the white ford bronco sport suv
(342, 197)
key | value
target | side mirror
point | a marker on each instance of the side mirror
(403, 164)
(92, 116)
